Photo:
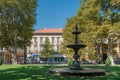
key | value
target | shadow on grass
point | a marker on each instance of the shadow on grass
(27, 72)
(30, 72)
(23, 73)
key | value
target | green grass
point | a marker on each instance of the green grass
(39, 72)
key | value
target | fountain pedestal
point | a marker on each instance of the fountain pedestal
(76, 65)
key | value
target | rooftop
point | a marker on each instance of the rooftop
(47, 30)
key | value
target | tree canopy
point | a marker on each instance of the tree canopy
(17, 18)
(96, 19)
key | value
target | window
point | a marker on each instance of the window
(58, 47)
(58, 40)
(35, 41)
(35, 45)
(53, 39)
(41, 40)
(46, 38)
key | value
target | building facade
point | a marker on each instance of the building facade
(54, 36)
(40, 36)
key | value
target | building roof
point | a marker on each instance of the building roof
(45, 30)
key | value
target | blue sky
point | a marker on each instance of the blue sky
(53, 13)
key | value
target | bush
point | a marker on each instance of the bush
(107, 62)
(70, 61)
(1, 61)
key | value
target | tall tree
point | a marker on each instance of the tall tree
(110, 14)
(17, 18)
(97, 20)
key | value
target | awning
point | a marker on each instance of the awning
(35, 54)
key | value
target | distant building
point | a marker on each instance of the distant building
(55, 38)
(39, 37)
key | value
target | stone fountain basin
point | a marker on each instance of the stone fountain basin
(83, 72)
(76, 45)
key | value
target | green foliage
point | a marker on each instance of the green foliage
(96, 19)
(108, 62)
(17, 18)
(47, 49)
(1, 61)
(70, 62)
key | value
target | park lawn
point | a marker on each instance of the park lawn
(39, 72)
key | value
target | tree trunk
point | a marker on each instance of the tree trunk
(25, 56)
(14, 59)
(101, 54)
(110, 49)
(14, 52)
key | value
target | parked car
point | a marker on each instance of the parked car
(117, 61)
(83, 61)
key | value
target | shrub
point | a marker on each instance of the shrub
(70, 61)
(107, 62)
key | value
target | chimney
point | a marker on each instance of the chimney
(45, 28)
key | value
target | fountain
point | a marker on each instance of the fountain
(75, 69)
(76, 46)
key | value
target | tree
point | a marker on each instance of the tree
(82, 21)
(110, 11)
(17, 18)
(47, 49)
(97, 20)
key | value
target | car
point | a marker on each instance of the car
(117, 61)
(83, 61)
